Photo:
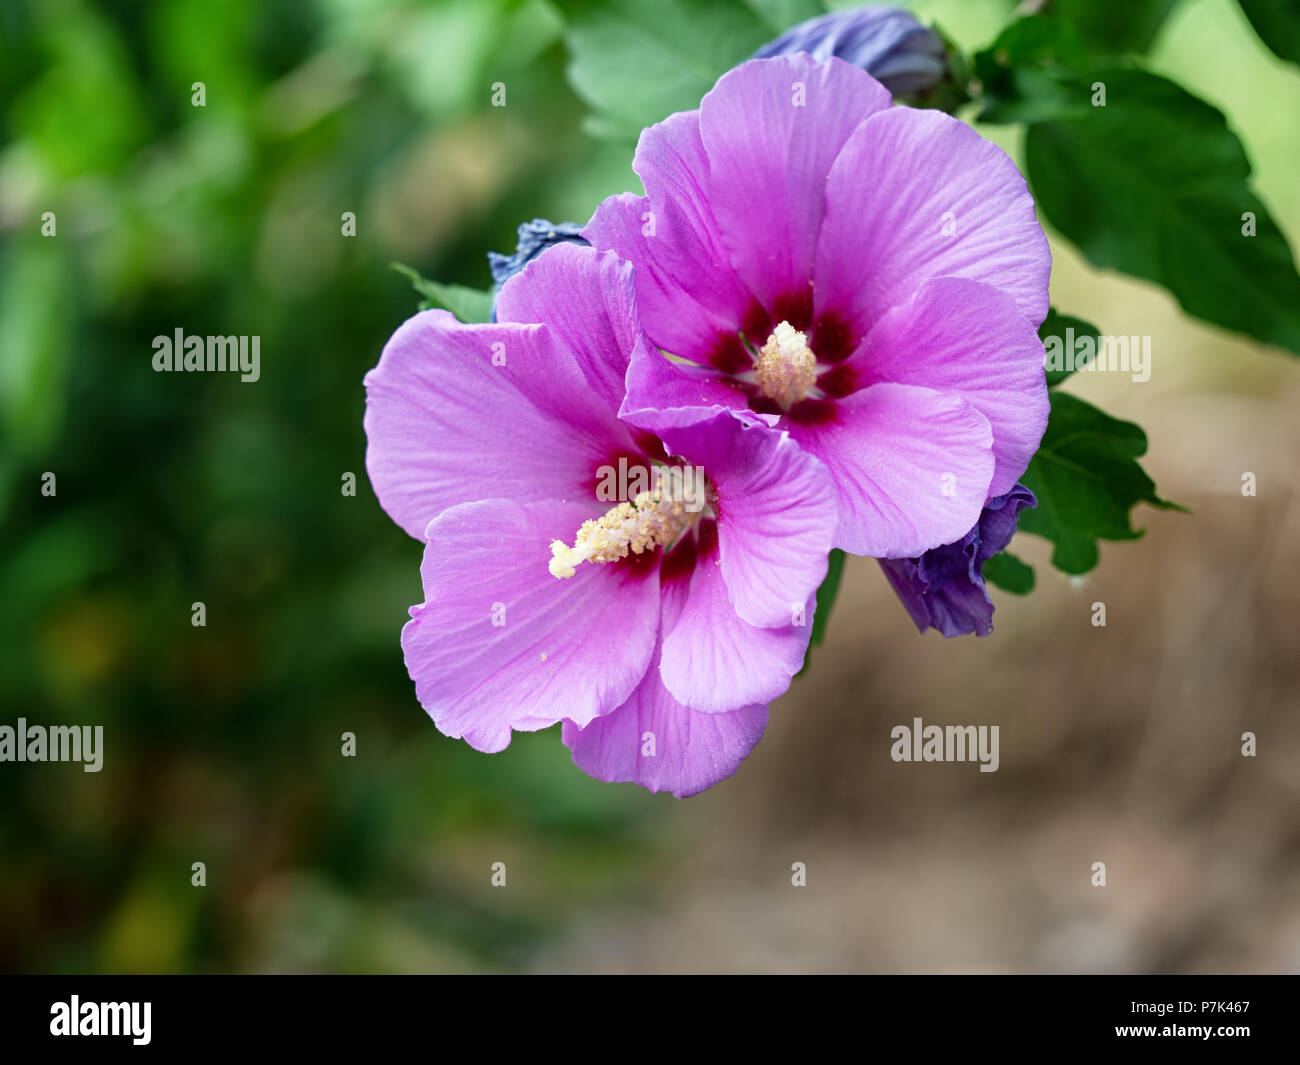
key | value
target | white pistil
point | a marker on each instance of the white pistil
(643, 525)
(786, 368)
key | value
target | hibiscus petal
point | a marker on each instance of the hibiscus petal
(686, 287)
(918, 194)
(500, 644)
(963, 337)
(772, 128)
(912, 467)
(588, 299)
(715, 661)
(457, 413)
(777, 511)
(944, 588)
(685, 750)
(691, 750)
(660, 391)
(955, 607)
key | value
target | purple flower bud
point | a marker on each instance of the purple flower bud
(534, 238)
(944, 588)
(886, 42)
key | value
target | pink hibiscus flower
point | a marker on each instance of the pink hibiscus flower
(870, 277)
(657, 628)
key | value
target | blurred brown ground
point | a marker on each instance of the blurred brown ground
(1119, 744)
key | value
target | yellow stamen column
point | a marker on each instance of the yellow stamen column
(642, 525)
(786, 367)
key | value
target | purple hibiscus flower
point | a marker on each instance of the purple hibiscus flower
(533, 238)
(656, 627)
(869, 277)
(944, 588)
(888, 43)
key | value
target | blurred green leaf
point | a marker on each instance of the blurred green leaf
(1087, 480)
(84, 113)
(1151, 182)
(35, 334)
(1066, 331)
(637, 63)
(1155, 185)
(1278, 24)
(467, 304)
(1032, 73)
(1009, 573)
(826, 594)
(1114, 29)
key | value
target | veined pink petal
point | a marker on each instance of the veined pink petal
(655, 741)
(715, 661)
(776, 508)
(692, 750)
(501, 644)
(457, 413)
(772, 128)
(912, 467)
(684, 281)
(588, 300)
(918, 194)
(969, 339)
(656, 385)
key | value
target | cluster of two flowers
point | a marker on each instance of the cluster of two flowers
(846, 374)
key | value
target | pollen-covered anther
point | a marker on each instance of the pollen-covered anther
(787, 367)
(642, 525)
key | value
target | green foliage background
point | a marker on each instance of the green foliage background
(223, 743)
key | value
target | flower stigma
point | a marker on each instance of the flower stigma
(786, 367)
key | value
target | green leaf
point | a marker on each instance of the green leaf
(1066, 331)
(1087, 480)
(1010, 574)
(86, 112)
(1032, 73)
(1278, 24)
(636, 63)
(1152, 183)
(467, 304)
(1114, 29)
(36, 337)
(826, 593)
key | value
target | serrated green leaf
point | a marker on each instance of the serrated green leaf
(636, 63)
(1278, 24)
(467, 304)
(1087, 480)
(1067, 331)
(1010, 573)
(1152, 183)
